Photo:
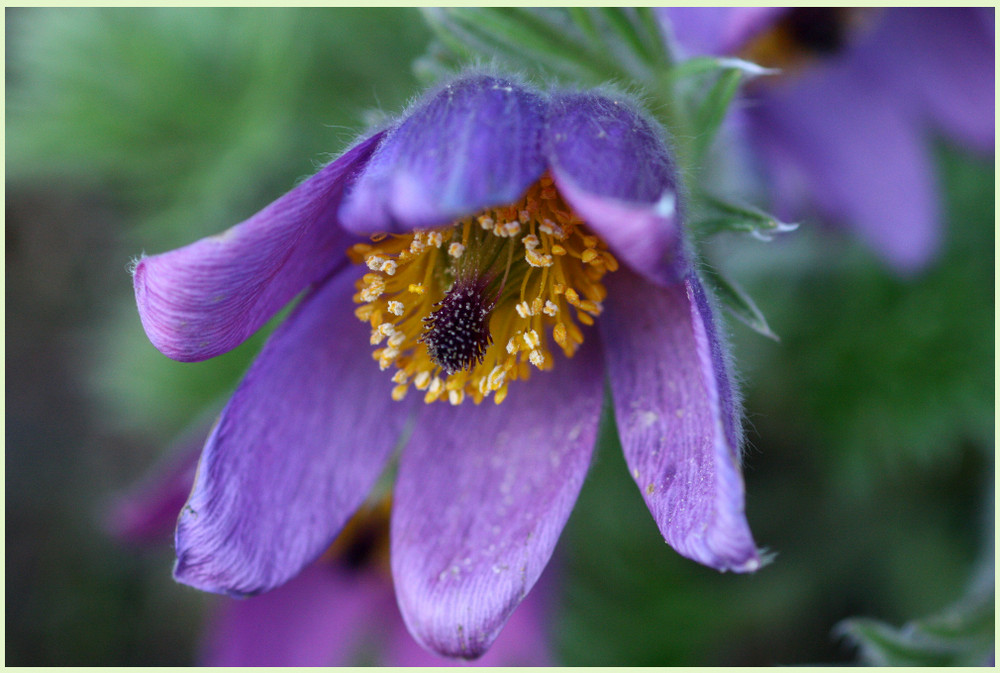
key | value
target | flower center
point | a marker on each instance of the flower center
(804, 34)
(467, 308)
(363, 543)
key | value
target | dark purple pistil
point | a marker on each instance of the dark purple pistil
(457, 332)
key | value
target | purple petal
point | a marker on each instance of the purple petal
(611, 165)
(677, 417)
(941, 59)
(481, 497)
(521, 643)
(717, 30)
(317, 619)
(295, 452)
(148, 512)
(208, 297)
(862, 155)
(472, 144)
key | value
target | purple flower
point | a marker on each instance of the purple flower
(846, 127)
(328, 615)
(486, 227)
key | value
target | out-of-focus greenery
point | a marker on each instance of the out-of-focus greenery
(870, 423)
(961, 635)
(869, 465)
(132, 130)
(192, 116)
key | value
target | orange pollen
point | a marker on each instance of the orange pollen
(462, 310)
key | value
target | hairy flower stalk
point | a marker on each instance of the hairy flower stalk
(466, 309)
(507, 243)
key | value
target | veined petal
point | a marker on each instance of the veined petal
(863, 156)
(481, 498)
(208, 297)
(612, 167)
(294, 453)
(316, 619)
(522, 642)
(677, 417)
(472, 144)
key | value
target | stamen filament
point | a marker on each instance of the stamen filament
(439, 299)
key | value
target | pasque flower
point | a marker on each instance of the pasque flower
(847, 126)
(469, 248)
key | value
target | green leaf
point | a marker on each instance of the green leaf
(960, 636)
(704, 65)
(525, 38)
(737, 302)
(649, 27)
(714, 215)
(713, 109)
(624, 29)
(581, 16)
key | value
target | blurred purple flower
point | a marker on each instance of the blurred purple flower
(328, 615)
(846, 127)
(337, 610)
(483, 490)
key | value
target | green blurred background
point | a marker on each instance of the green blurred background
(870, 464)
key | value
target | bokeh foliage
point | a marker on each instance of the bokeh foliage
(871, 424)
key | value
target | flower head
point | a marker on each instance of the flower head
(845, 128)
(504, 243)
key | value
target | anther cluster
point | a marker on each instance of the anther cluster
(465, 309)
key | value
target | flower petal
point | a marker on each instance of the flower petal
(294, 453)
(316, 619)
(677, 417)
(521, 643)
(611, 165)
(472, 144)
(863, 156)
(208, 297)
(717, 30)
(943, 59)
(481, 497)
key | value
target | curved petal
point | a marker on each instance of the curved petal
(316, 619)
(472, 144)
(612, 167)
(717, 30)
(294, 453)
(862, 155)
(677, 417)
(482, 495)
(943, 59)
(521, 643)
(208, 297)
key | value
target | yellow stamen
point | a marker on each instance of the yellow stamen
(522, 267)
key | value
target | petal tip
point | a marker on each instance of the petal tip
(158, 334)
(470, 143)
(195, 570)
